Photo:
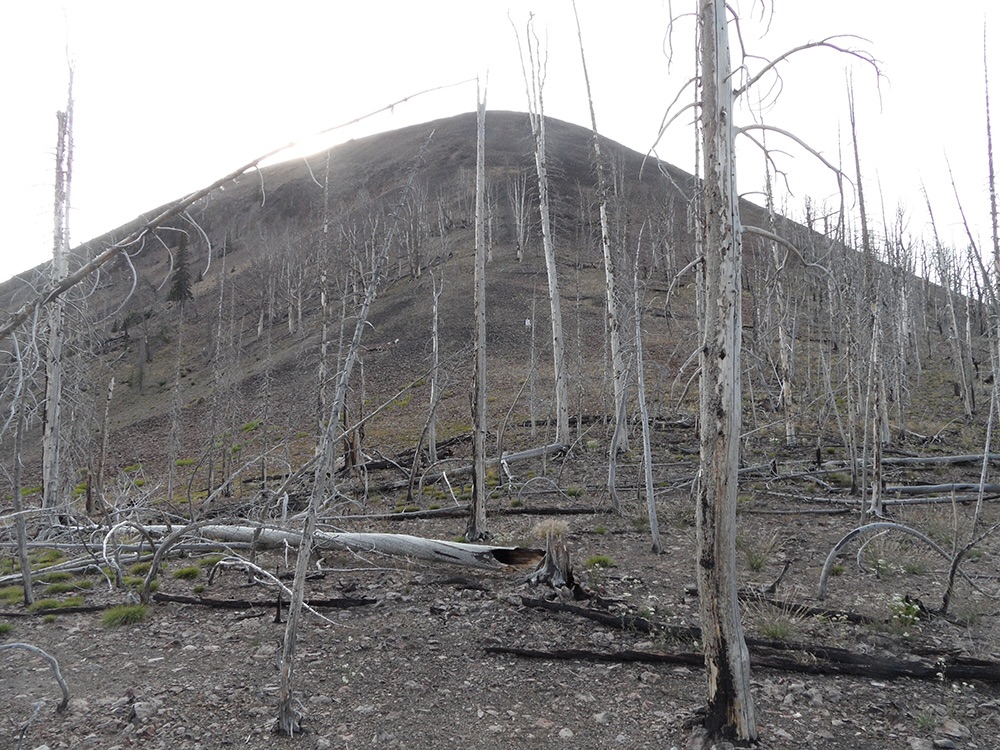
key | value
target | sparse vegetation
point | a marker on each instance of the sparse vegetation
(599, 561)
(44, 604)
(124, 615)
(187, 573)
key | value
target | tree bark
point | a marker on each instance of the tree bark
(730, 709)
(52, 432)
(476, 530)
(536, 114)
(483, 557)
(619, 438)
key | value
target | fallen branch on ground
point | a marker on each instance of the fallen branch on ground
(52, 663)
(819, 660)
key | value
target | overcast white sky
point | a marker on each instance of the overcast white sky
(171, 95)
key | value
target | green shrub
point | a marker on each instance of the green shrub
(124, 615)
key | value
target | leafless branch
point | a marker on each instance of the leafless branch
(823, 43)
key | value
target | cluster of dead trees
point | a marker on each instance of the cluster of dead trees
(843, 324)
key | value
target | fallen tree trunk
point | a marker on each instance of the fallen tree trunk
(204, 601)
(483, 557)
(814, 661)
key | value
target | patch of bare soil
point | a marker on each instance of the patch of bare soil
(423, 657)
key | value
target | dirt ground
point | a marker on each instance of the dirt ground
(408, 666)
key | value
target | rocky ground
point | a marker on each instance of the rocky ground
(411, 666)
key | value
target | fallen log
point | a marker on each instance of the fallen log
(204, 601)
(481, 556)
(462, 511)
(823, 661)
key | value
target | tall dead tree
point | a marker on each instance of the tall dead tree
(534, 85)
(51, 430)
(324, 484)
(730, 709)
(619, 440)
(476, 530)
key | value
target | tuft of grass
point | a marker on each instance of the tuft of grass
(43, 604)
(517, 503)
(56, 577)
(926, 721)
(132, 467)
(758, 550)
(777, 628)
(140, 568)
(252, 425)
(124, 615)
(48, 619)
(602, 530)
(135, 582)
(209, 561)
(199, 589)
(6, 628)
(63, 587)
(185, 462)
(44, 558)
(187, 573)
(599, 561)
(574, 491)
(11, 594)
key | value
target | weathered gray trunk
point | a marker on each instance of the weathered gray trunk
(536, 115)
(730, 710)
(619, 438)
(323, 485)
(477, 517)
(51, 430)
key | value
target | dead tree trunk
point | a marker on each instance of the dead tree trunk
(619, 438)
(536, 114)
(323, 484)
(51, 437)
(476, 530)
(730, 709)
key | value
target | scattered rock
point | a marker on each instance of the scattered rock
(565, 733)
(952, 728)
